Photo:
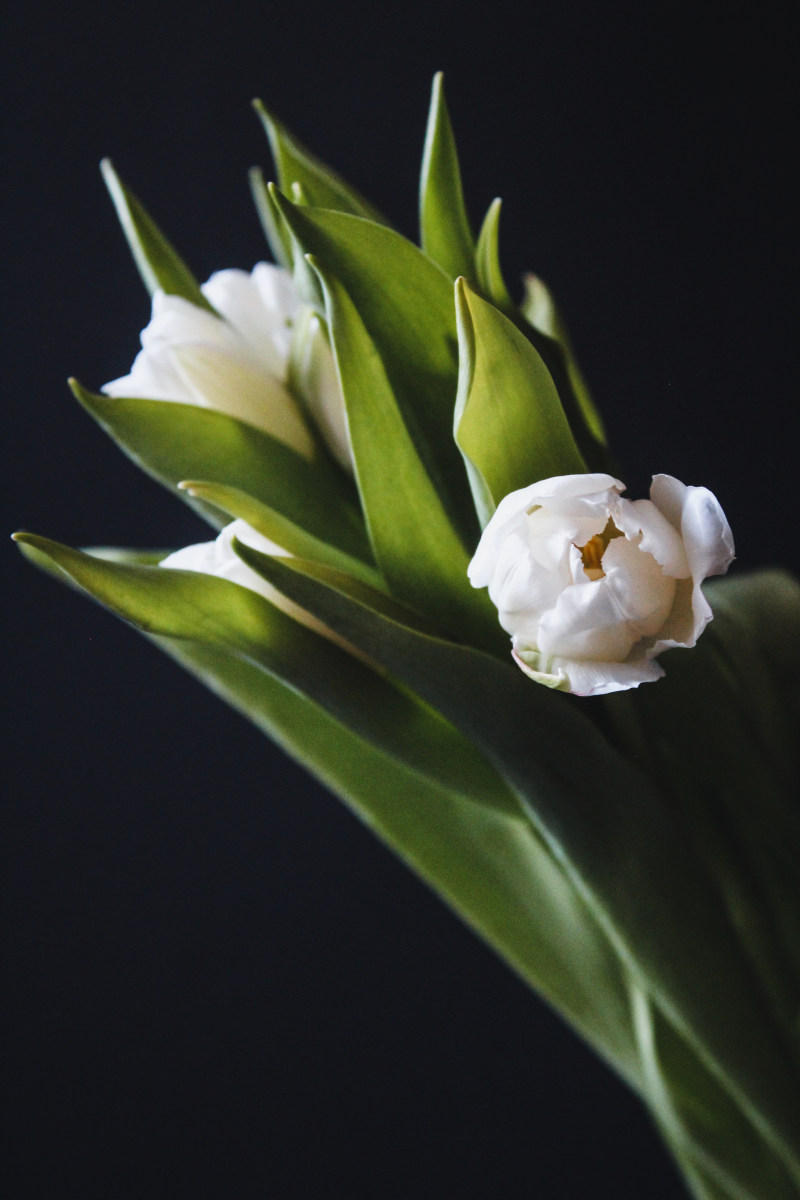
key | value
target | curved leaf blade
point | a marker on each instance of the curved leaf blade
(539, 309)
(445, 233)
(488, 865)
(414, 542)
(160, 266)
(173, 442)
(509, 422)
(618, 840)
(321, 185)
(279, 529)
(487, 262)
(416, 781)
(405, 302)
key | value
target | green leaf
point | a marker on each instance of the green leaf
(159, 264)
(750, 849)
(405, 302)
(618, 839)
(279, 529)
(487, 262)
(278, 237)
(415, 545)
(407, 772)
(445, 232)
(539, 309)
(487, 864)
(509, 422)
(320, 184)
(174, 442)
(700, 1121)
(217, 612)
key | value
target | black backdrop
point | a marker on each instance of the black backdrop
(220, 985)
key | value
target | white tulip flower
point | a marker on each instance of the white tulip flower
(237, 362)
(591, 586)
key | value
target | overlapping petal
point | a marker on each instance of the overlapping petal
(237, 362)
(592, 586)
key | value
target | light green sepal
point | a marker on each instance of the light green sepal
(445, 233)
(160, 266)
(509, 422)
(530, 661)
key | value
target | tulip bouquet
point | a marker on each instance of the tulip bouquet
(405, 467)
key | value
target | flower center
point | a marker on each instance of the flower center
(592, 552)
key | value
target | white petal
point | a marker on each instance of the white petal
(599, 679)
(707, 534)
(586, 623)
(153, 377)
(659, 537)
(641, 589)
(233, 384)
(261, 312)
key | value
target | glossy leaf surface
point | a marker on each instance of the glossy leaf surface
(405, 302)
(414, 543)
(174, 442)
(509, 422)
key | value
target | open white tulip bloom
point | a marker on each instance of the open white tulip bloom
(237, 362)
(591, 586)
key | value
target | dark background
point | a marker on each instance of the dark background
(219, 983)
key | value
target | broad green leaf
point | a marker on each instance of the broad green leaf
(618, 839)
(445, 233)
(488, 865)
(279, 529)
(415, 545)
(212, 610)
(406, 304)
(509, 422)
(159, 264)
(738, 798)
(539, 309)
(296, 164)
(407, 772)
(487, 262)
(378, 600)
(174, 442)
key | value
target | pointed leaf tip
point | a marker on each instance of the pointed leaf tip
(159, 264)
(295, 164)
(445, 232)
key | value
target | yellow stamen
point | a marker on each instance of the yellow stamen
(592, 553)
